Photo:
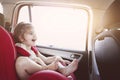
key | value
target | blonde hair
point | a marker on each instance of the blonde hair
(20, 29)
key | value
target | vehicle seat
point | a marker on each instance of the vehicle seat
(107, 54)
(7, 62)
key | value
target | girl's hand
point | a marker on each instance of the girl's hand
(67, 62)
(64, 62)
(53, 65)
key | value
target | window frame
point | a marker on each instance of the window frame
(20, 4)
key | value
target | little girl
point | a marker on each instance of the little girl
(30, 60)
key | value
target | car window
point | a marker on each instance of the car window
(59, 27)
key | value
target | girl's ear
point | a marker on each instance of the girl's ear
(21, 39)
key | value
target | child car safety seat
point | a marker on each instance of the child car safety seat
(7, 62)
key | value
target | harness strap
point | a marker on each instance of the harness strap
(23, 52)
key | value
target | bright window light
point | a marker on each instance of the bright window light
(60, 27)
(1, 8)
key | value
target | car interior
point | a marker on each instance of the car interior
(87, 30)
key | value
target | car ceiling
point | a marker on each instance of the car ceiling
(96, 4)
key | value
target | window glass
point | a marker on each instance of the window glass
(1, 8)
(60, 27)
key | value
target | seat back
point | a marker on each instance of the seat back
(7, 56)
(107, 54)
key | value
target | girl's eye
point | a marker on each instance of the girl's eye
(31, 33)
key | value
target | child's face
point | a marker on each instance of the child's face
(29, 37)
